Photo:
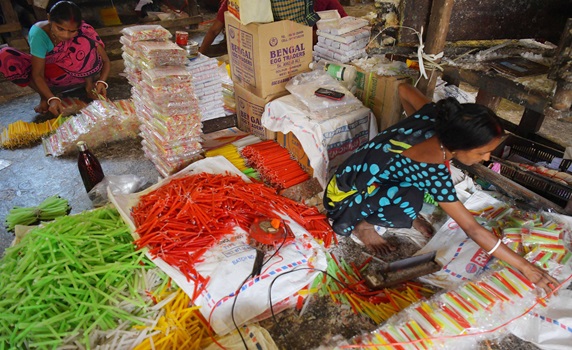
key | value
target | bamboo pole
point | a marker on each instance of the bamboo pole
(435, 40)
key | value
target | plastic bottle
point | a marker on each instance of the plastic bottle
(341, 72)
(89, 167)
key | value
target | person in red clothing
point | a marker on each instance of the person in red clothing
(218, 24)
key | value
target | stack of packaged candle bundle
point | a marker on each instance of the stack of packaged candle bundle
(164, 98)
(134, 61)
(98, 123)
(170, 119)
(342, 40)
(207, 84)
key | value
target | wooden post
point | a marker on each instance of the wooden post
(510, 187)
(530, 123)
(561, 71)
(436, 35)
(485, 98)
(12, 26)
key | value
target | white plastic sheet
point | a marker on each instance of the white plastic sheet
(230, 262)
(460, 256)
(549, 328)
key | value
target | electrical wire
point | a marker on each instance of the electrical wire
(232, 311)
(300, 269)
(252, 275)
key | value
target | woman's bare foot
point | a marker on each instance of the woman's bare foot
(366, 233)
(423, 226)
(42, 107)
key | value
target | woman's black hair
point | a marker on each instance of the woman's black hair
(466, 126)
(65, 11)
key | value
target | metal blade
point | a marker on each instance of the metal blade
(411, 262)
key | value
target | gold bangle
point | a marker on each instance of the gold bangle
(53, 98)
(102, 82)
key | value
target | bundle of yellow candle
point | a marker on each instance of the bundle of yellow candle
(231, 153)
(180, 327)
(349, 288)
(22, 134)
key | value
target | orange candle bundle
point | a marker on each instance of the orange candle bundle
(274, 164)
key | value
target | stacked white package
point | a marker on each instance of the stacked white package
(207, 84)
(342, 40)
(163, 93)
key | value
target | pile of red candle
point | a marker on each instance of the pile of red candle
(274, 164)
(182, 219)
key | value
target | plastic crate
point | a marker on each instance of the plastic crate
(544, 186)
(533, 151)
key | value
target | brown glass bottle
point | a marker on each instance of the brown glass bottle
(89, 167)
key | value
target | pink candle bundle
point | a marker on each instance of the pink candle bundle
(274, 164)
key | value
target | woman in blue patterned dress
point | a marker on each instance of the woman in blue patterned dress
(384, 182)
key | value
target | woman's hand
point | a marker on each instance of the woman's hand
(90, 90)
(101, 88)
(55, 106)
(540, 278)
(488, 241)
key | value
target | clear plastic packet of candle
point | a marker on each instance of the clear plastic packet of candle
(167, 75)
(146, 32)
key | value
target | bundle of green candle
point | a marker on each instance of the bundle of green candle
(70, 280)
(51, 208)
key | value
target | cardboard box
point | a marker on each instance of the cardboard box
(379, 93)
(249, 109)
(291, 143)
(264, 57)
